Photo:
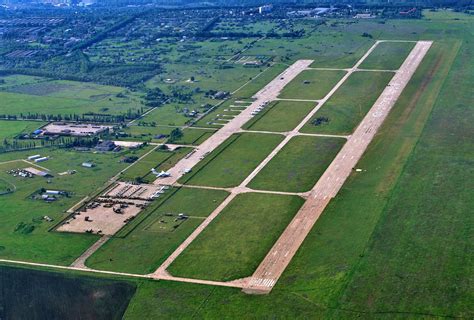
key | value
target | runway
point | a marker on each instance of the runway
(327, 187)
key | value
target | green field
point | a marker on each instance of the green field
(311, 84)
(349, 104)
(388, 56)
(150, 242)
(298, 166)
(281, 116)
(238, 239)
(65, 98)
(11, 129)
(233, 161)
(6, 187)
(158, 134)
(342, 59)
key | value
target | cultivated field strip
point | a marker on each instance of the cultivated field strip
(271, 268)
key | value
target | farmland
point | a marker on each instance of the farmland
(392, 242)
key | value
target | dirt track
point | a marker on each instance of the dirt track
(271, 268)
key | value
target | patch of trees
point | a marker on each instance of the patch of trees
(85, 117)
(319, 121)
(77, 67)
(175, 135)
(155, 98)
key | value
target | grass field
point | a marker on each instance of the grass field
(6, 187)
(388, 56)
(298, 166)
(148, 245)
(158, 134)
(232, 162)
(11, 129)
(65, 98)
(238, 239)
(340, 58)
(281, 116)
(311, 84)
(349, 104)
(31, 294)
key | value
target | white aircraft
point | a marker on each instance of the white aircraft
(162, 174)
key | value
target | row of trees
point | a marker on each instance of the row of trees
(85, 117)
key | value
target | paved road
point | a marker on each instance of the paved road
(277, 259)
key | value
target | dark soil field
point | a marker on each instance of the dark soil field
(31, 294)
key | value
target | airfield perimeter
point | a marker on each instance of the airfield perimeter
(270, 269)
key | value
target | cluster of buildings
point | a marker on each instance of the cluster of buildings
(72, 129)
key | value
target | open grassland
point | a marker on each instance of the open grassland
(416, 264)
(151, 241)
(11, 129)
(423, 239)
(311, 84)
(349, 104)
(280, 116)
(238, 239)
(32, 294)
(6, 187)
(342, 59)
(169, 114)
(24, 233)
(15, 80)
(298, 166)
(388, 56)
(65, 98)
(233, 161)
(333, 44)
